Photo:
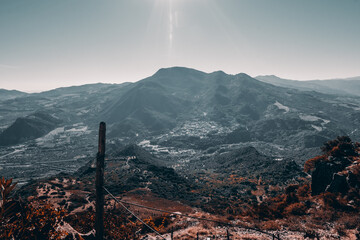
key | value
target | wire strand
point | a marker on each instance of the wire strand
(117, 200)
(198, 218)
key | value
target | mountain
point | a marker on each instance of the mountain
(10, 94)
(248, 162)
(229, 145)
(345, 86)
(226, 109)
(28, 128)
(184, 116)
(132, 168)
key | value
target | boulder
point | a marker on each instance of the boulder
(339, 184)
(322, 176)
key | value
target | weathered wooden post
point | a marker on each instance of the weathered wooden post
(99, 184)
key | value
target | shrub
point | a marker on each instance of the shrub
(7, 206)
(312, 162)
(341, 230)
(271, 225)
(296, 209)
(304, 191)
(33, 223)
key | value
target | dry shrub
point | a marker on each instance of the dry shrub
(355, 170)
(293, 224)
(19, 220)
(249, 237)
(159, 223)
(8, 207)
(314, 227)
(290, 192)
(311, 234)
(262, 211)
(304, 191)
(330, 200)
(341, 230)
(115, 226)
(33, 223)
(271, 225)
(192, 232)
(77, 198)
(206, 226)
(311, 163)
(296, 209)
(335, 201)
(324, 215)
(203, 232)
(349, 221)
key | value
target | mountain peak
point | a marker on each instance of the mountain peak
(176, 70)
(220, 72)
(267, 77)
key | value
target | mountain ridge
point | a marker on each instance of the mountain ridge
(342, 86)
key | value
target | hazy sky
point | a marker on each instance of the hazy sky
(51, 43)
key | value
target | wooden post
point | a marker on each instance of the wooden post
(99, 184)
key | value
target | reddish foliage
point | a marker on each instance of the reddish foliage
(33, 223)
(304, 191)
(311, 163)
(296, 209)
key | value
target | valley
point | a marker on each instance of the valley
(228, 147)
(178, 114)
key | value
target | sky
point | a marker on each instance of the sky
(45, 44)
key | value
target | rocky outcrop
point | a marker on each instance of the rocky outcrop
(338, 169)
(323, 176)
(338, 184)
(330, 177)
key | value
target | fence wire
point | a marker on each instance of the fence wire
(185, 215)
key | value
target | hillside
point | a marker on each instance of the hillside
(177, 95)
(182, 116)
(28, 128)
(291, 208)
(132, 168)
(225, 147)
(10, 94)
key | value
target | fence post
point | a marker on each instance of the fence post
(99, 184)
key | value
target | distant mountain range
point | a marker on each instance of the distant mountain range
(9, 94)
(180, 108)
(342, 86)
(213, 141)
(173, 95)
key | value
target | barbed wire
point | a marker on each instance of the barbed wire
(193, 217)
(117, 200)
